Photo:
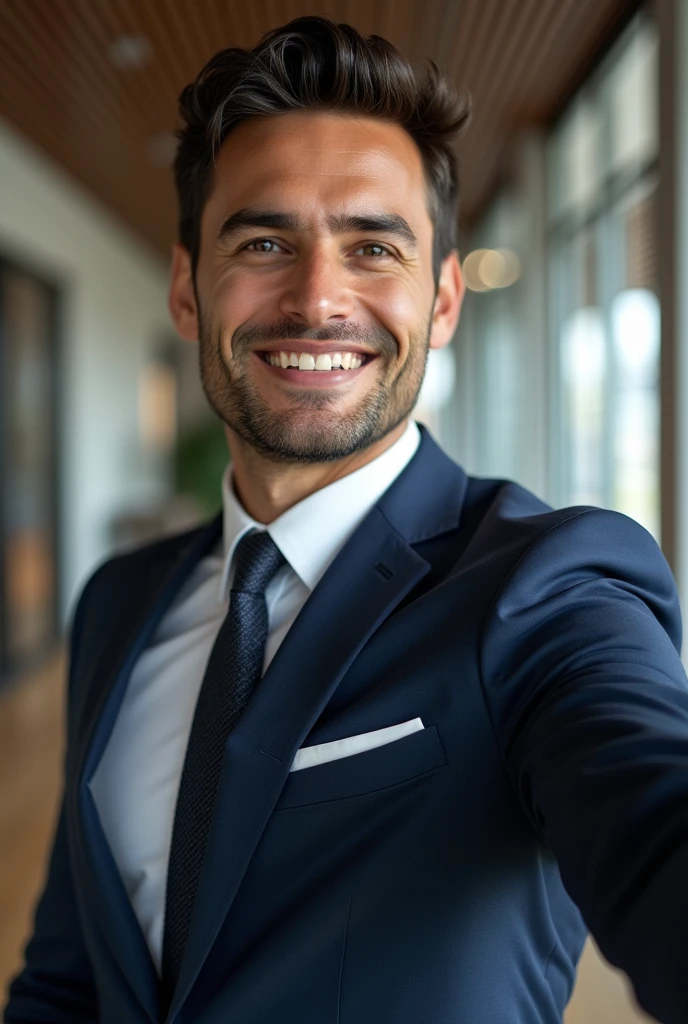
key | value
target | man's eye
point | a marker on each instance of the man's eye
(263, 245)
(374, 250)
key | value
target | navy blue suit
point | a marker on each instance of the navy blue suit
(448, 877)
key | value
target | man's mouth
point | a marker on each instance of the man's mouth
(322, 362)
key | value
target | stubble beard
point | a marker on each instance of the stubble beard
(314, 429)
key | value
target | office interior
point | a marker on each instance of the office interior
(568, 371)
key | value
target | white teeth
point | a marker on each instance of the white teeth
(324, 361)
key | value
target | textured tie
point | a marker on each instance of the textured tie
(234, 668)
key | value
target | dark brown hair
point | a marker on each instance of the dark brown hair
(315, 64)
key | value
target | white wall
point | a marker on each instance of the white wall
(114, 315)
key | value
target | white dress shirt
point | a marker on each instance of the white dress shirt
(135, 785)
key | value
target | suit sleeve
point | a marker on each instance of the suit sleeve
(589, 702)
(56, 984)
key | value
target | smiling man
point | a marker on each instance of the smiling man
(314, 294)
(382, 741)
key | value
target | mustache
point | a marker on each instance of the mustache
(377, 338)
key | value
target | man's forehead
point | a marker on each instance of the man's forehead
(323, 135)
(315, 159)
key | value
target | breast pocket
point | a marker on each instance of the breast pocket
(389, 765)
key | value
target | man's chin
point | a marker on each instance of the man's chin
(299, 439)
(311, 451)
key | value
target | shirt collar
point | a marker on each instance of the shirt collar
(311, 533)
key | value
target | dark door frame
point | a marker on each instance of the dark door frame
(54, 293)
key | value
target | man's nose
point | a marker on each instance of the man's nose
(317, 290)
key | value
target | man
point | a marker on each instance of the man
(382, 741)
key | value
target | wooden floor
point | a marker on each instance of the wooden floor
(31, 745)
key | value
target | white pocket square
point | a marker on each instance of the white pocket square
(307, 757)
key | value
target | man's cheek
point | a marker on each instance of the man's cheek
(253, 293)
(397, 310)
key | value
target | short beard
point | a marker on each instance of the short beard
(308, 433)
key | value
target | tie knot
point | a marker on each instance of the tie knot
(256, 559)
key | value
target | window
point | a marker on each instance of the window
(604, 307)
(495, 332)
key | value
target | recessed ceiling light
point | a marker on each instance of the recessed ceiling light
(130, 52)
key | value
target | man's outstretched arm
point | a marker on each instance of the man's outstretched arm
(590, 704)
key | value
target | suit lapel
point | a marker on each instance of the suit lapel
(107, 897)
(371, 575)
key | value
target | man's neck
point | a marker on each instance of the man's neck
(266, 489)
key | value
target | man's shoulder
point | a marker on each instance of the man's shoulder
(506, 506)
(127, 574)
(118, 594)
(541, 550)
(520, 531)
(162, 549)
(502, 508)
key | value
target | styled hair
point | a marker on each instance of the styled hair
(314, 64)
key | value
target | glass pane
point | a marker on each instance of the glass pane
(502, 351)
(577, 165)
(583, 366)
(635, 327)
(501, 385)
(28, 498)
(632, 89)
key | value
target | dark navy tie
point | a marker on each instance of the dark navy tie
(234, 668)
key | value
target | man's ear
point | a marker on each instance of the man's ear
(450, 293)
(182, 299)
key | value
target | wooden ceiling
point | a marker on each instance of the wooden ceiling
(94, 83)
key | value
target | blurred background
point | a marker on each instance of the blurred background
(569, 370)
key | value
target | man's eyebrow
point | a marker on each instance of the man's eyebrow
(387, 223)
(253, 218)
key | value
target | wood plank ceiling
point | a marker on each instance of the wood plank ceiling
(94, 83)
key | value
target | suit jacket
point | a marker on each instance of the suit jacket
(448, 876)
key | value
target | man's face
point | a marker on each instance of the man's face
(316, 249)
